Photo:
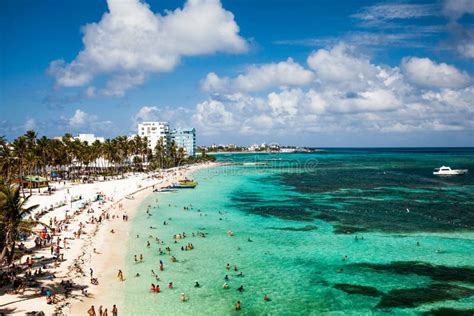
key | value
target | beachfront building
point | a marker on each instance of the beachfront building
(153, 131)
(185, 138)
(89, 138)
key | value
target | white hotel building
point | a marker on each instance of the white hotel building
(184, 138)
(153, 131)
(89, 138)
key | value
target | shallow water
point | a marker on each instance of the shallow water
(297, 211)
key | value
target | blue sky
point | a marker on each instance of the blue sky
(315, 73)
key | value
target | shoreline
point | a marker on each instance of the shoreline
(79, 253)
(112, 251)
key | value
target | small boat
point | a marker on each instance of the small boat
(447, 171)
(167, 189)
(184, 184)
(130, 197)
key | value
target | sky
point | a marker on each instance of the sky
(319, 73)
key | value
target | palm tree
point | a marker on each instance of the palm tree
(20, 150)
(6, 160)
(42, 145)
(160, 152)
(173, 154)
(13, 211)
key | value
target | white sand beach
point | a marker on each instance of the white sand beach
(119, 197)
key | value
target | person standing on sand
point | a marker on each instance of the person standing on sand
(120, 275)
(91, 311)
(114, 311)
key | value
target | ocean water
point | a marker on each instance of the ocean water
(408, 236)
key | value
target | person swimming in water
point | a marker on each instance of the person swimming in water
(225, 286)
(226, 277)
(237, 306)
(183, 297)
(266, 298)
(170, 285)
(197, 284)
(241, 288)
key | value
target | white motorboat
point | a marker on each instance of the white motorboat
(447, 171)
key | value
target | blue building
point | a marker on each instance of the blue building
(185, 138)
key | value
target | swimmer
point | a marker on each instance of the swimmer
(340, 271)
(225, 286)
(345, 258)
(237, 306)
(249, 240)
(241, 288)
(235, 267)
(137, 275)
(226, 277)
(227, 266)
(197, 284)
(170, 285)
(183, 297)
(240, 274)
(266, 298)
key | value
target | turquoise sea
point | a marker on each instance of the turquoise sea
(407, 234)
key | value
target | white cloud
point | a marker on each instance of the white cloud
(120, 83)
(348, 94)
(455, 9)
(464, 41)
(341, 65)
(146, 113)
(30, 124)
(82, 121)
(463, 35)
(425, 72)
(213, 117)
(80, 118)
(260, 77)
(390, 11)
(131, 41)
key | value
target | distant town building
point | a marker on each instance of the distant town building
(89, 138)
(185, 138)
(153, 131)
